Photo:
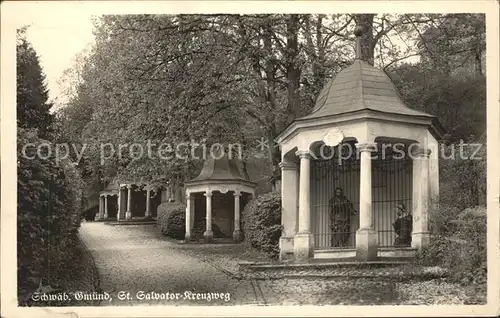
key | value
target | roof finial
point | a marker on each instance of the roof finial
(358, 32)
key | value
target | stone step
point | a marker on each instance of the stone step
(347, 272)
(322, 263)
(132, 222)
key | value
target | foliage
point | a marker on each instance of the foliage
(459, 221)
(219, 78)
(464, 173)
(164, 212)
(176, 223)
(90, 213)
(49, 208)
(243, 78)
(172, 222)
(261, 221)
(459, 101)
(32, 95)
(461, 36)
(49, 189)
(460, 245)
(199, 227)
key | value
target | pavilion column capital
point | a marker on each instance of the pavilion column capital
(420, 152)
(208, 194)
(237, 193)
(303, 154)
(287, 165)
(367, 146)
(129, 186)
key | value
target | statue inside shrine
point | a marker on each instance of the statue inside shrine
(340, 218)
(403, 226)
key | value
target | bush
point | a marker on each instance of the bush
(200, 226)
(464, 179)
(165, 211)
(172, 223)
(89, 214)
(49, 205)
(176, 223)
(459, 245)
(261, 220)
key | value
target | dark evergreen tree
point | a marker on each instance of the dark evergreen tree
(33, 107)
(49, 189)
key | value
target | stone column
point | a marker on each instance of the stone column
(237, 230)
(119, 203)
(187, 236)
(163, 193)
(168, 192)
(99, 215)
(289, 191)
(105, 207)
(128, 214)
(177, 193)
(421, 199)
(209, 235)
(303, 243)
(147, 213)
(366, 236)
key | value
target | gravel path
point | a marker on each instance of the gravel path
(137, 258)
(133, 259)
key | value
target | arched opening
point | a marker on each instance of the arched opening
(335, 177)
(290, 155)
(138, 207)
(112, 206)
(223, 213)
(392, 190)
(335, 194)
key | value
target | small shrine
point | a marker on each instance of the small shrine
(359, 174)
(218, 195)
(132, 201)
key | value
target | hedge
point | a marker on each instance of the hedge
(49, 205)
(169, 212)
(172, 223)
(460, 246)
(200, 226)
(261, 220)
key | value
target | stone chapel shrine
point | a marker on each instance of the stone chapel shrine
(359, 174)
(132, 201)
(218, 195)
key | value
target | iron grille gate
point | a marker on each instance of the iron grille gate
(335, 218)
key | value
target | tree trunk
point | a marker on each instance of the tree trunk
(292, 67)
(244, 165)
(274, 154)
(319, 71)
(478, 55)
(367, 40)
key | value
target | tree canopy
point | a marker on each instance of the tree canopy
(243, 78)
(33, 107)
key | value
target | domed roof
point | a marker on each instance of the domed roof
(111, 187)
(360, 86)
(219, 169)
